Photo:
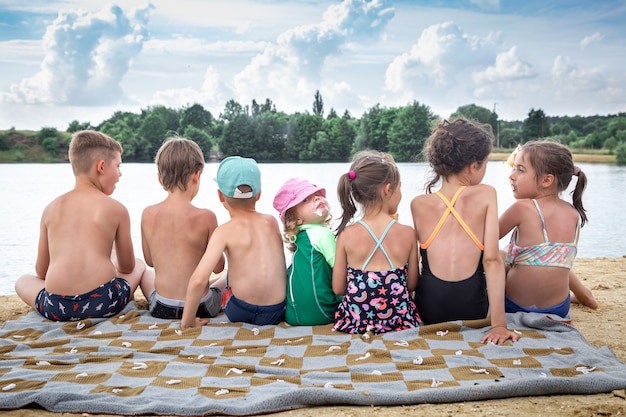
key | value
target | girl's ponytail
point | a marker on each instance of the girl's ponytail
(344, 193)
(577, 194)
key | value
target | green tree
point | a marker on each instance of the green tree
(374, 128)
(196, 116)
(152, 133)
(270, 130)
(478, 113)
(409, 131)
(318, 104)
(170, 117)
(342, 133)
(238, 136)
(51, 145)
(76, 126)
(47, 132)
(201, 137)
(536, 125)
(301, 131)
(510, 137)
(232, 110)
(620, 153)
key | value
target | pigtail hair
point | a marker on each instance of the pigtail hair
(344, 193)
(577, 195)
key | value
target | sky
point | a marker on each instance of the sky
(65, 60)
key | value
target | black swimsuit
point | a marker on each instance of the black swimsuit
(439, 300)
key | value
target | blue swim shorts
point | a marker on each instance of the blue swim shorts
(560, 309)
(105, 301)
(239, 311)
(168, 308)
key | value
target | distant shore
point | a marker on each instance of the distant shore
(578, 157)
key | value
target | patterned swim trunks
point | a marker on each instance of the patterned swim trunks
(105, 301)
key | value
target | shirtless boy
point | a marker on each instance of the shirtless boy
(254, 287)
(175, 234)
(86, 265)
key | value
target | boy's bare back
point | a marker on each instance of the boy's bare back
(175, 235)
(256, 260)
(80, 228)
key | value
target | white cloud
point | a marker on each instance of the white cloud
(290, 70)
(570, 78)
(212, 94)
(436, 57)
(86, 57)
(508, 67)
(588, 40)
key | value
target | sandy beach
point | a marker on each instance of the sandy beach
(606, 277)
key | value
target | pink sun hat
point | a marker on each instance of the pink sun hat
(293, 192)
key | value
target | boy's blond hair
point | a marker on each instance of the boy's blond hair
(88, 146)
(177, 160)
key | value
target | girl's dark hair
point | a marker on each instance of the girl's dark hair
(369, 172)
(454, 145)
(554, 158)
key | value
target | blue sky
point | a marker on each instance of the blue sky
(83, 60)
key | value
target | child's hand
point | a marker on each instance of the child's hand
(498, 335)
(198, 322)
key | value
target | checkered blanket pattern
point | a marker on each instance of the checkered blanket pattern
(136, 364)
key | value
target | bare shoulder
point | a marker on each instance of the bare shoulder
(405, 231)
(482, 190)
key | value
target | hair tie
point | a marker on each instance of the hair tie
(576, 170)
(352, 175)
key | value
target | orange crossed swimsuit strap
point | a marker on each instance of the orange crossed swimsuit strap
(451, 210)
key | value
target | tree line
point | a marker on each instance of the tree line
(259, 130)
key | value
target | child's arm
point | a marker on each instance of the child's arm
(145, 247)
(219, 266)
(199, 281)
(43, 251)
(495, 275)
(509, 219)
(124, 244)
(414, 259)
(340, 273)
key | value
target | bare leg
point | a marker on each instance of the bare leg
(147, 282)
(218, 280)
(28, 287)
(581, 294)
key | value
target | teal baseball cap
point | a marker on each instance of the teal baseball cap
(235, 171)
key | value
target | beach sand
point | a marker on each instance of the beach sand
(606, 277)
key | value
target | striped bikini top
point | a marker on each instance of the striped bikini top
(544, 254)
(451, 210)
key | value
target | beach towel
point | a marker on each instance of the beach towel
(133, 363)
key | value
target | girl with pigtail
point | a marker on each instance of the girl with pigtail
(376, 257)
(546, 228)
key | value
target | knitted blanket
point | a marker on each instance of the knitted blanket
(136, 364)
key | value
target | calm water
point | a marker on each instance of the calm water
(27, 188)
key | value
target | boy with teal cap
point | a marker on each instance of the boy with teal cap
(254, 286)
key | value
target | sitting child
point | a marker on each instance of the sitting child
(376, 258)
(545, 228)
(175, 234)
(254, 286)
(303, 208)
(86, 265)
